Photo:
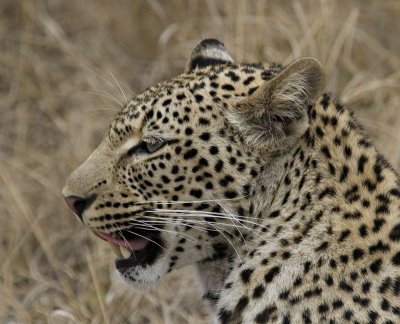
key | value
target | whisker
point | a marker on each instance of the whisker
(195, 211)
(110, 84)
(189, 237)
(198, 201)
(105, 108)
(106, 95)
(196, 221)
(183, 222)
(232, 217)
(119, 86)
(149, 240)
(222, 233)
(119, 230)
(166, 202)
(202, 213)
(189, 213)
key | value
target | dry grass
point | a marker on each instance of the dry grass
(58, 60)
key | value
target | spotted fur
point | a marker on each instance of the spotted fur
(267, 184)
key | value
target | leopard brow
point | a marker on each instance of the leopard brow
(159, 135)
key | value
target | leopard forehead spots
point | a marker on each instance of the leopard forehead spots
(259, 178)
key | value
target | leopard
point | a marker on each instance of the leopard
(259, 178)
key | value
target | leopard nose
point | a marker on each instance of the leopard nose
(77, 204)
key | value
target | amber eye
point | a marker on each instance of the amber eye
(146, 148)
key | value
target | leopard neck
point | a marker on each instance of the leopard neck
(313, 196)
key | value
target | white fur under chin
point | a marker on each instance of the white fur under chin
(146, 277)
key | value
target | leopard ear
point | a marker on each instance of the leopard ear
(208, 52)
(276, 114)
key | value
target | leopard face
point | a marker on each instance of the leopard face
(172, 182)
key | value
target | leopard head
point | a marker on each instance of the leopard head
(175, 181)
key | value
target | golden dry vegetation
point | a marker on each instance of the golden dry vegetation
(59, 66)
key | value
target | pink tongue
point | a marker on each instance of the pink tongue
(133, 245)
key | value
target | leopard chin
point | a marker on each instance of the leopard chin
(145, 276)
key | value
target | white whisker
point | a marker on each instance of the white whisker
(119, 86)
(110, 84)
(146, 238)
(193, 213)
(119, 230)
(222, 233)
(233, 218)
(166, 202)
(183, 222)
(107, 95)
(202, 213)
(186, 236)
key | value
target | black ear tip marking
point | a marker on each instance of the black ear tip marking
(209, 51)
(210, 42)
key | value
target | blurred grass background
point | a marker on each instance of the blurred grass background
(59, 62)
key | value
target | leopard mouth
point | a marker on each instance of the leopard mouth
(133, 248)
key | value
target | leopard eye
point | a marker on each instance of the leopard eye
(152, 147)
(145, 148)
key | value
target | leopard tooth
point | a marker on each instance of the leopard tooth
(125, 252)
(117, 250)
